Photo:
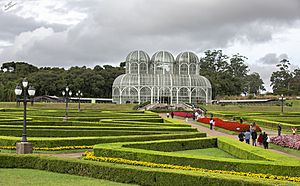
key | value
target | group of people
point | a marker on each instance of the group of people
(279, 128)
(251, 133)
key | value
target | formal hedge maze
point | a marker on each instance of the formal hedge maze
(46, 128)
(141, 148)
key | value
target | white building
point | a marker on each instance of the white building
(161, 79)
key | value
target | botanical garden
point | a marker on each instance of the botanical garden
(118, 145)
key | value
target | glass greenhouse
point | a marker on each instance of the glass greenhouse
(161, 79)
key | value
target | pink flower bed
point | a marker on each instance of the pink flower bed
(291, 141)
(228, 125)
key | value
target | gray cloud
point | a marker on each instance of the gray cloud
(272, 58)
(12, 25)
(114, 28)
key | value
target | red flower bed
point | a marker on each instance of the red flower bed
(228, 125)
(183, 114)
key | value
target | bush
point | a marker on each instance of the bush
(128, 173)
(79, 141)
(256, 161)
(174, 145)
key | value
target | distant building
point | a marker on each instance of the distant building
(161, 79)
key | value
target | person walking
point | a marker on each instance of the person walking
(168, 115)
(211, 124)
(241, 136)
(260, 139)
(241, 120)
(294, 129)
(247, 136)
(266, 140)
(279, 129)
(172, 114)
(254, 137)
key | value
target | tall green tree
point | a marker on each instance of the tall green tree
(226, 74)
(253, 84)
(281, 79)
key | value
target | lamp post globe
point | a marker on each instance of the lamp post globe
(18, 92)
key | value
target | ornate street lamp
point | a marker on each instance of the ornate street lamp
(67, 94)
(79, 95)
(24, 146)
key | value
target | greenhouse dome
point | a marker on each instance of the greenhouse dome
(161, 80)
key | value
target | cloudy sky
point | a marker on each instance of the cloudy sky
(66, 33)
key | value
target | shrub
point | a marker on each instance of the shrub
(128, 173)
(255, 160)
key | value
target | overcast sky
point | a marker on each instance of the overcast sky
(66, 33)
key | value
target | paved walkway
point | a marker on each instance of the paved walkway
(68, 155)
(218, 133)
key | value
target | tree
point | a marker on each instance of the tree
(227, 75)
(281, 79)
(253, 84)
(295, 82)
(213, 66)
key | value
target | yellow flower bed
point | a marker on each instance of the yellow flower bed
(50, 148)
(90, 156)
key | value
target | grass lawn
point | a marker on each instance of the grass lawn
(285, 149)
(213, 152)
(255, 108)
(16, 177)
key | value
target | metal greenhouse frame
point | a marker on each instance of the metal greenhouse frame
(161, 79)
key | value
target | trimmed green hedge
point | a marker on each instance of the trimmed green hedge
(170, 146)
(94, 128)
(79, 141)
(267, 162)
(74, 133)
(129, 173)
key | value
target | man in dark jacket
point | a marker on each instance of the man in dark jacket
(254, 137)
(241, 136)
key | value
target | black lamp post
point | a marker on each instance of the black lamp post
(67, 93)
(24, 147)
(281, 103)
(79, 95)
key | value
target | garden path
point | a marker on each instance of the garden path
(68, 155)
(218, 133)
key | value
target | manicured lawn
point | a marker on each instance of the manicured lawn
(18, 177)
(213, 152)
(255, 108)
(285, 149)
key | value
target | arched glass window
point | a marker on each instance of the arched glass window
(143, 68)
(133, 68)
(183, 69)
(192, 69)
